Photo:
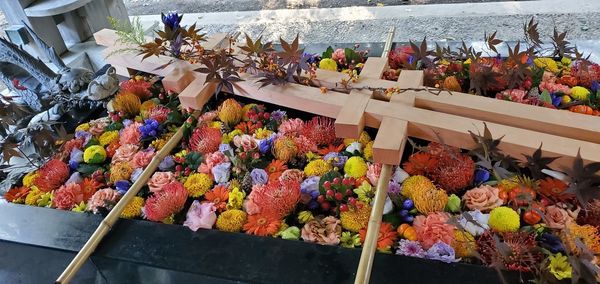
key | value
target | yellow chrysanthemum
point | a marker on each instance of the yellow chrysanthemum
(108, 137)
(559, 266)
(262, 133)
(236, 198)
(588, 235)
(198, 184)
(356, 167)
(231, 220)
(464, 244)
(83, 127)
(120, 171)
(431, 200)
(161, 142)
(416, 184)
(504, 219)
(133, 208)
(580, 93)
(328, 64)
(228, 137)
(127, 103)
(363, 139)
(317, 168)
(305, 216)
(355, 218)
(365, 192)
(94, 154)
(547, 64)
(313, 156)
(285, 148)
(230, 112)
(29, 178)
(215, 124)
(33, 196)
(368, 151)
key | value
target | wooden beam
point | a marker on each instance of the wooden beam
(374, 68)
(197, 93)
(350, 120)
(390, 141)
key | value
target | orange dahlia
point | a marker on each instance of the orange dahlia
(320, 130)
(262, 224)
(275, 169)
(165, 203)
(52, 175)
(248, 127)
(387, 237)
(218, 196)
(89, 187)
(205, 139)
(420, 164)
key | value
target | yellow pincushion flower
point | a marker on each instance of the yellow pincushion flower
(285, 148)
(559, 266)
(108, 137)
(416, 184)
(431, 200)
(94, 154)
(29, 178)
(127, 103)
(120, 171)
(368, 151)
(231, 220)
(33, 196)
(588, 235)
(365, 192)
(355, 218)
(580, 93)
(198, 184)
(356, 167)
(305, 216)
(328, 64)
(504, 219)
(363, 139)
(464, 244)
(262, 133)
(230, 112)
(133, 208)
(547, 64)
(236, 198)
(317, 168)
(83, 127)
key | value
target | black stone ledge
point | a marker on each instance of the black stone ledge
(138, 251)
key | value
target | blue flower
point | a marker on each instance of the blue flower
(442, 252)
(224, 148)
(259, 176)
(166, 164)
(309, 189)
(556, 100)
(481, 176)
(595, 87)
(136, 174)
(122, 186)
(221, 172)
(264, 146)
(73, 164)
(172, 20)
(551, 243)
(150, 129)
(76, 155)
(278, 115)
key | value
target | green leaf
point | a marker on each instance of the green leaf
(545, 96)
(327, 53)
(114, 126)
(392, 218)
(88, 169)
(174, 117)
(352, 55)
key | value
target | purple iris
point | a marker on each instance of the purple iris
(556, 100)
(172, 20)
(151, 128)
(176, 45)
(481, 176)
(122, 186)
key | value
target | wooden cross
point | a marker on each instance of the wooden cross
(414, 113)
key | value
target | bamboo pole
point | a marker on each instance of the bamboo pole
(113, 216)
(363, 273)
(388, 42)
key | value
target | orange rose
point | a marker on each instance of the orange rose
(483, 198)
(159, 180)
(556, 217)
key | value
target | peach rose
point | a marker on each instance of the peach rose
(97, 126)
(212, 160)
(433, 228)
(131, 134)
(483, 198)
(159, 180)
(141, 159)
(556, 217)
(326, 231)
(125, 153)
(245, 141)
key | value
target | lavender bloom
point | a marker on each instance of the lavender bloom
(259, 176)
(172, 20)
(264, 145)
(221, 172)
(76, 155)
(224, 148)
(85, 135)
(394, 190)
(74, 178)
(410, 248)
(136, 174)
(336, 159)
(278, 115)
(166, 164)
(481, 176)
(176, 45)
(442, 252)
(127, 122)
(309, 189)
(475, 223)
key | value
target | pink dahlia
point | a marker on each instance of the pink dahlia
(555, 88)
(339, 55)
(131, 134)
(67, 196)
(433, 228)
(205, 139)
(166, 202)
(124, 153)
(105, 198)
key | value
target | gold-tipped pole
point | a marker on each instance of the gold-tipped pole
(112, 217)
(388, 42)
(363, 273)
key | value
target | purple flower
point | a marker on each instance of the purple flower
(73, 165)
(166, 164)
(136, 174)
(150, 129)
(259, 176)
(224, 148)
(221, 172)
(410, 248)
(556, 100)
(122, 186)
(85, 135)
(172, 20)
(481, 176)
(278, 115)
(127, 122)
(176, 45)
(394, 190)
(442, 252)
(200, 215)
(264, 145)
(76, 155)
(336, 159)
(595, 87)
(552, 243)
(74, 178)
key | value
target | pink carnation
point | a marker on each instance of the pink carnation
(67, 196)
(166, 202)
(291, 127)
(142, 159)
(131, 134)
(339, 56)
(124, 153)
(97, 126)
(555, 88)
(433, 228)
(373, 173)
(104, 198)
(200, 215)
(159, 113)
(212, 160)
(159, 180)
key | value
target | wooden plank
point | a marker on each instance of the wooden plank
(350, 121)
(197, 93)
(390, 141)
(374, 68)
(411, 78)
(218, 40)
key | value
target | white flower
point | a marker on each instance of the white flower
(476, 224)
(354, 146)
(399, 175)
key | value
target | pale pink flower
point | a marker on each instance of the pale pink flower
(293, 127)
(374, 172)
(326, 231)
(103, 198)
(124, 153)
(200, 215)
(245, 141)
(159, 180)
(339, 56)
(131, 134)
(211, 160)
(97, 126)
(142, 159)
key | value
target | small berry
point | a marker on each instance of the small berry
(336, 180)
(327, 185)
(339, 196)
(352, 200)
(325, 205)
(343, 208)
(409, 219)
(404, 213)
(329, 193)
(321, 198)
(348, 192)
(408, 204)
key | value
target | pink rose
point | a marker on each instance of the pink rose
(339, 56)
(97, 126)
(433, 228)
(483, 198)
(326, 231)
(212, 160)
(142, 159)
(556, 217)
(131, 134)
(159, 180)
(245, 141)
(207, 116)
(200, 215)
(124, 153)
(104, 198)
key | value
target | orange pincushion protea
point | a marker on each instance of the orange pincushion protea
(420, 164)
(386, 238)
(166, 202)
(262, 224)
(218, 196)
(139, 88)
(454, 171)
(52, 175)
(278, 198)
(320, 130)
(205, 139)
